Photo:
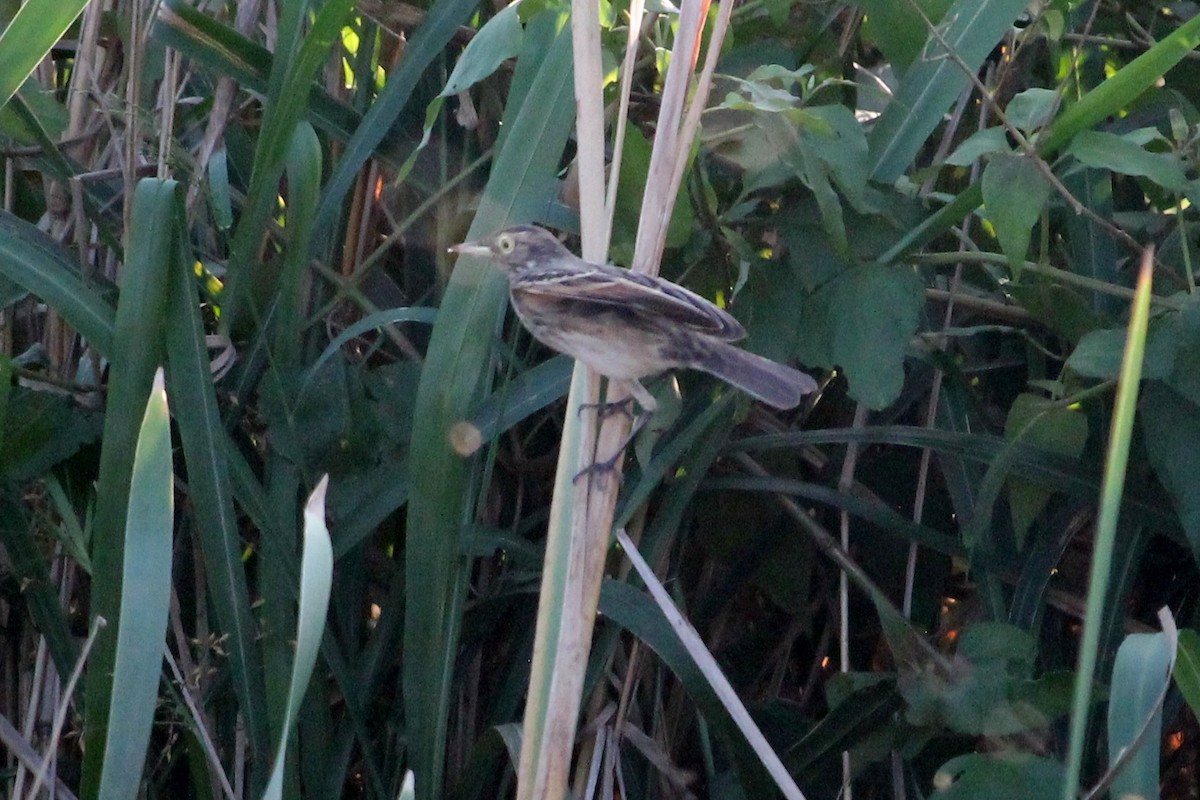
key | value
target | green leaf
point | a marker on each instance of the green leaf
(136, 354)
(1127, 156)
(32, 259)
(1014, 194)
(1179, 335)
(1140, 678)
(145, 600)
(40, 430)
(979, 144)
(971, 29)
(1171, 425)
(898, 29)
(1187, 668)
(497, 41)
(460, 347)
(28, 37)
(635, 166)
(1004, 774)
(862, 321)
(1051, 427)
(1031, 109)
(205, 444)
(988, 692)
(1116, 92)
(248, 284)
(316, 581)
(427, 43)
(1098, 354)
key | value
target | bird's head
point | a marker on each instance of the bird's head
(516, 248)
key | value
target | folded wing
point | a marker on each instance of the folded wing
(635, 293)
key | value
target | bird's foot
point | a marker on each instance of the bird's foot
(610, 464)
(607, 409)
(607, 466)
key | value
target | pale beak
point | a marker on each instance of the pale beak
(472, 249)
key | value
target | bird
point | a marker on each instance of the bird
(625, 325)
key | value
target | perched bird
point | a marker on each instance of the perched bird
(626, 325)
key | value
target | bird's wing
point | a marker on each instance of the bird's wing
(634, 292)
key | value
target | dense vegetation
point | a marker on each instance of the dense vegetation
(966, 567)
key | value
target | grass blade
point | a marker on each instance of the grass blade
(316, 579)
(194, 400)
(459, 350)
(34, 29)
(135, 356)
(32, 259)
(145, 598)
(1106, 527)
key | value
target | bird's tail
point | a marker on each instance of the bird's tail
(774, 384)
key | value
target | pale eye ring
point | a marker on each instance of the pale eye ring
(506, 244)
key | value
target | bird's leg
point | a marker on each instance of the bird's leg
(648, 405)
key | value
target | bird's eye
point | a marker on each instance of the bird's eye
(506, 244)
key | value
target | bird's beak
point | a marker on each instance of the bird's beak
(471, 249)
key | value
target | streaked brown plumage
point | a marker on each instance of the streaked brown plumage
(625, 325)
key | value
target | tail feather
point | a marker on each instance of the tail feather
(774, 384)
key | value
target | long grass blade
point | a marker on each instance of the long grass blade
(1106, 526)
(459, 351)
(136, 354)
(145, 598)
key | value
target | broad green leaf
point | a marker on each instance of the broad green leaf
(635, 165)
(1031, 109)
(988, 692)
(145, 600)
(862, 322)
(1098, 354)
(1054, 428)
(1172, 352)
(1140, 678)
(1014, 194)
(898, 29)
(979, 144)
(1171, 425)
(42, 429)
(977, 776)
(1127, 156)
(497, 41)
(1179, 333)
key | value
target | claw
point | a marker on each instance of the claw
(599, 467)
(610, 464)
